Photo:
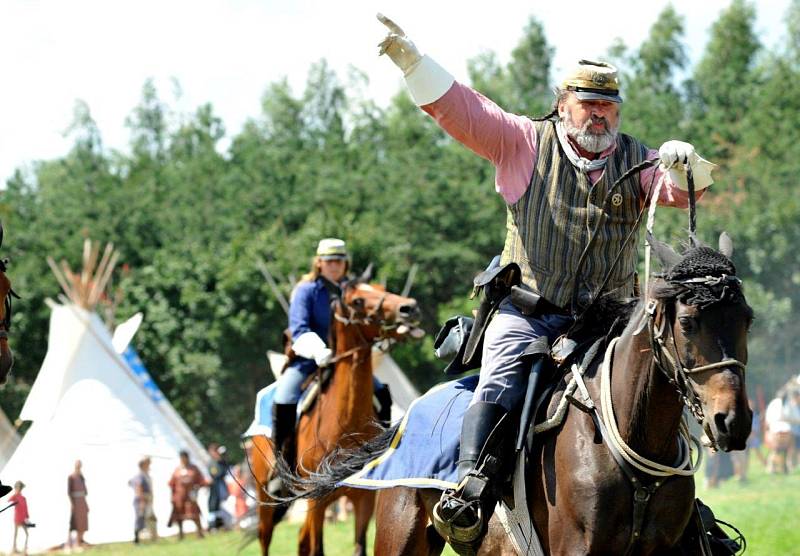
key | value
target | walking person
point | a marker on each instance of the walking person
(145, 517)
(218, 516)
(186, 480)
(79, 507)
(21, 517)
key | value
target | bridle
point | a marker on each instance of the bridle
(5, 323)
(352, 317)
(666, 356)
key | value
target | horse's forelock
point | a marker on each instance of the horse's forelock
(699, 262)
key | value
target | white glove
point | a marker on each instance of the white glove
(311, 346)
(398, 47)
(675, 155)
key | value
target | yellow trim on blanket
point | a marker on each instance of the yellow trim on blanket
(356, 478)
(420, 482)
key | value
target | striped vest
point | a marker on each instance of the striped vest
(550, 225)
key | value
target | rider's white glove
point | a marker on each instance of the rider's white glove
(398, 47)
(675, 155)
(311, 346)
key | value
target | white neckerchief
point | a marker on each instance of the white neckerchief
(583, 164)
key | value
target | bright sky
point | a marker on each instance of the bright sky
(227, 52)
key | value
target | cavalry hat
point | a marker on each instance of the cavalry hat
(331, 248)
(593, 81)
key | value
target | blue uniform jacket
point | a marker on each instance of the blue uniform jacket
(310, 311)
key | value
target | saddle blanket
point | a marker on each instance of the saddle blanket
(424, 450)
(262, 422)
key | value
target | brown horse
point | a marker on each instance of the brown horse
(688, 334)
(343, 414)
(6, 293)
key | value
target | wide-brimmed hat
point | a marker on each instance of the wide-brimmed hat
(593, 81)
(331, 248)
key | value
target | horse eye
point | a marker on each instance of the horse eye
(358, 302)
(688, 324)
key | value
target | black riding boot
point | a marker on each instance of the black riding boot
(461, 515)
(284, 418)
(4, 489)
(384, 398)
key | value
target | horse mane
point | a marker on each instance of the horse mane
(607, 315)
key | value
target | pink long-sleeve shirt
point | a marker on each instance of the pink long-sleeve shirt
(509, 141)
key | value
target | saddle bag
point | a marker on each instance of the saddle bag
(451, 343)
(493, 285)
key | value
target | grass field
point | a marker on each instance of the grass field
(766, 509)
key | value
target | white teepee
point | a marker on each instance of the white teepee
(9, 439)
(92, 400)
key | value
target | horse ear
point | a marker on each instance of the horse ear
(665, 254)
(1, 234)
(725, 244)
(366, 276)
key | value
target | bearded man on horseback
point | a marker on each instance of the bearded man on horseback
(553, 174)
(309, 325)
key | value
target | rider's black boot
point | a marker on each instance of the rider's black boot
(4, 489)
(461, 515)
(384, 398)
(284, 418)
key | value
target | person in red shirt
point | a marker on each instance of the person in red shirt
(186, 480)
(21, 517)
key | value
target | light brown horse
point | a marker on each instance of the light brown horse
(343, 414)
(6, 293)
(685, 346)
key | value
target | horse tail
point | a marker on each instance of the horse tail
(335, 467)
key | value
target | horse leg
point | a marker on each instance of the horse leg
(363, 508)
(401, 523)
(310, 543)
(268, 516)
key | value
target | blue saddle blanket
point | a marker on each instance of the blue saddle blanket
(424, 450)
(262, 421)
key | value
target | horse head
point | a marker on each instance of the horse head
(380, 314)
(700, 321)
(6, 293)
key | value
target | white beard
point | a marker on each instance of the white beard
(587, 139)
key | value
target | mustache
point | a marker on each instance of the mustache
(596, 120)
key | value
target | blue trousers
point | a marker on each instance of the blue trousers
(291, 381)
(504, 377)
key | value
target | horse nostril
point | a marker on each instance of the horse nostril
(408, 310)
(722, 420)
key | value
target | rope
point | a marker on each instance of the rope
(685, 468)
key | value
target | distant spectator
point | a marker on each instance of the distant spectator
(21, 517)
(218, 516)
(718, 468)
(186, 480)
(238, 484)
(79, 514)
(143, 502)
(741, 459)
(792, 416)
(779, 435)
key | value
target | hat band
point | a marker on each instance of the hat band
(607, 92)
